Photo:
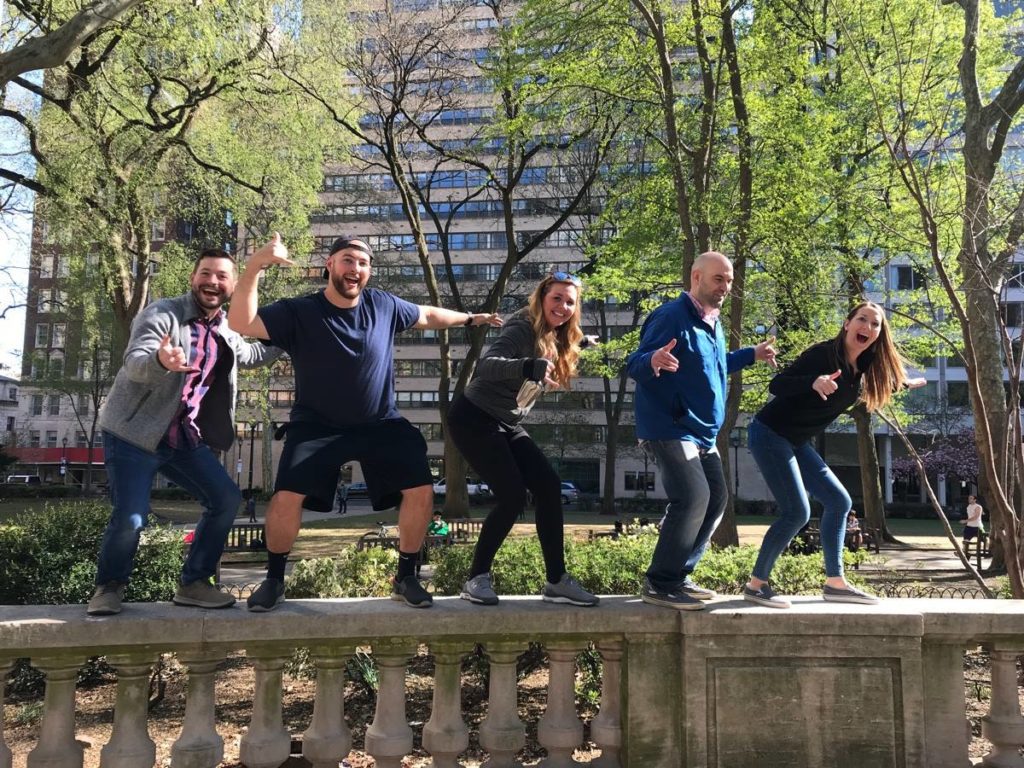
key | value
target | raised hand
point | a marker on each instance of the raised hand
(173, 358)
(492, 318)
(664, 360)
(272, 252)
(766, 352)
(826, 385)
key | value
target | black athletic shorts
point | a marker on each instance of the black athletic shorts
(392, 454)
(970, 532)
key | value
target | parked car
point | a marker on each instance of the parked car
(570, 493)
(473, 488)
(24, 480)
(357, 490)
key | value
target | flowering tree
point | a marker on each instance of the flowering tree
(952, 456)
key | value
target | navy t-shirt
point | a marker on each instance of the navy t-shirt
(343, 358)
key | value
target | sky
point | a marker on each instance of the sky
(15, 238)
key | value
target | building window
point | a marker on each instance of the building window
(56, 367)
(42, 334)
(43, 301)
(83, 405)
(908, 278)
(51, 438)
(59, 331)
(12, 394)
(158, 229)
(638, 481)
(45, 267)
(81, 440)
(37, 405)
(10, 423)
(63, 266)
(54, 405)
(33, 438)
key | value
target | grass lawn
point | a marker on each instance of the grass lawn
(325, 535)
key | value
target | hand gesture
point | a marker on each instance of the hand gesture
(664, 360)
(765, 352)
(492, 318)
(173, 358)
(826, 385)
(547, 381)
(271, 252)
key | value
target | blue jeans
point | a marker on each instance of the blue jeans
(130, 472)
(791, 472)
(696, 489)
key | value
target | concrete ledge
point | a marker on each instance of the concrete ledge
(162, 626)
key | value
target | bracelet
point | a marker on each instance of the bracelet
(469, 319)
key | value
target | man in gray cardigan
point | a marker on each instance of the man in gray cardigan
(172, 405)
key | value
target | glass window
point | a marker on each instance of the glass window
(54, 409)
(51, 438)
(42, 334)
(37, 405)
(33, 438)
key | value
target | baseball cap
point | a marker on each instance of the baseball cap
(347, 241)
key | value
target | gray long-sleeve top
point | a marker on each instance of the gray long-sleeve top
(509, 362)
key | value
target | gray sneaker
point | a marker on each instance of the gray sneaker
(848, 595)
(106, 600)
(568, 590)
(202, 594)
(479, 590)
(765, 596)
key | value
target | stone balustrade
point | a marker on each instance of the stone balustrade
(735, 686)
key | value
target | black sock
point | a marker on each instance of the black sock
(406, 564)
(275, 564)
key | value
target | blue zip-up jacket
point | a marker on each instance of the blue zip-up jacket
(690, 403)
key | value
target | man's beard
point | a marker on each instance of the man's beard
(344, 288)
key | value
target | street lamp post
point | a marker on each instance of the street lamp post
(736, 440)
(252, 445)
(64, 459)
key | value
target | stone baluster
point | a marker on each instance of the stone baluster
(267, 743)
(130, 745)
(5, 752)
(389, 737)
(199, 745)
(606, 728)
(445, 735)
(1003, 725)
(560, 730)
(327, 740)
(57, 747)
(502, 733)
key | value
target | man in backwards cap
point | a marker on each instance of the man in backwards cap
(339, 340)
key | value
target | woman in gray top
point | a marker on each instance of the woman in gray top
(537, 350)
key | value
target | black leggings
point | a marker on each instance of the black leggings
(508, 460)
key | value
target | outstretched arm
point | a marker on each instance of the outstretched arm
(438, 317)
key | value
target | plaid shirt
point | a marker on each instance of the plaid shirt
(184, 432)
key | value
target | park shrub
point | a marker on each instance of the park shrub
(25, 491)
(50, 556)
(352, 573)
(616, 567)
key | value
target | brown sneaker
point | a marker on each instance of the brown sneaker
(202, 594)
(106, 600)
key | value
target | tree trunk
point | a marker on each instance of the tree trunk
(870, 482)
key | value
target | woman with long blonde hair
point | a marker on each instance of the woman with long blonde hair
(861, 363)
(538, 350)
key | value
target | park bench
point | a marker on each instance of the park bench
(243, 537)
(464, 530)
(391, 542)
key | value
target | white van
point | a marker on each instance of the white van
(24, 480)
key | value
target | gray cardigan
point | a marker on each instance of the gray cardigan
(503, 370)
(146, 396)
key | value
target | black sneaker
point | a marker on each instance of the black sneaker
(411, 592)
(848, 594)
(678, 600)
(765, 596)
(267, 596)
(691, 588)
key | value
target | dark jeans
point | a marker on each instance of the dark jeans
(697, 493)
(791, 472)
(130, 472)
(508, 460)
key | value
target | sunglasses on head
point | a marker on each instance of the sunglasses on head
(566, 277)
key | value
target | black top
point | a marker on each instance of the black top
(797, 412)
